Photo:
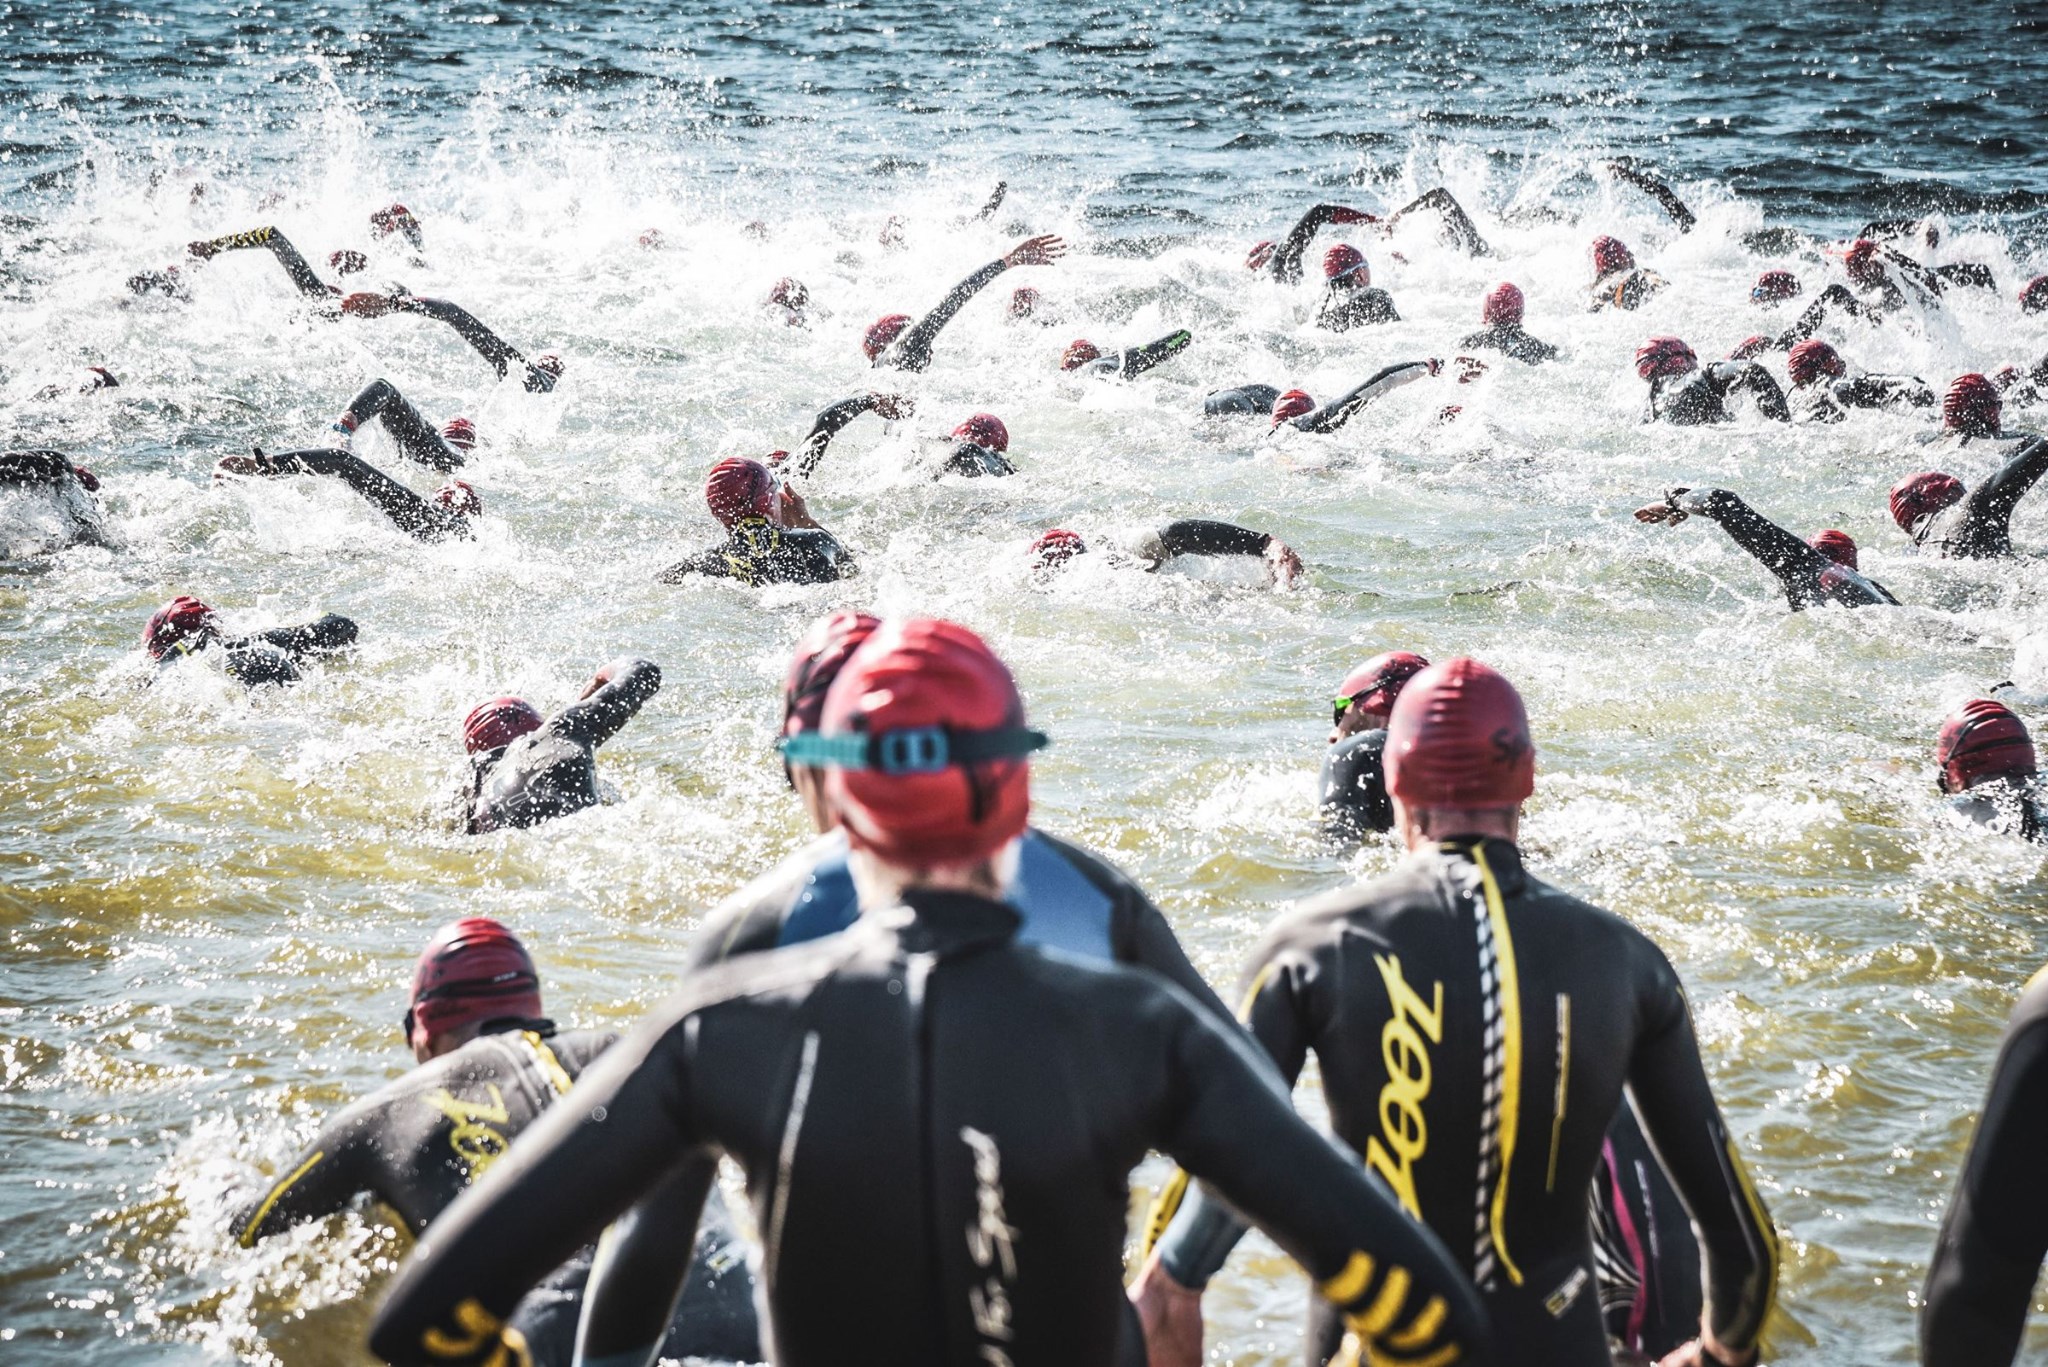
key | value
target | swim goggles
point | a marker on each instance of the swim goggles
(911, 750)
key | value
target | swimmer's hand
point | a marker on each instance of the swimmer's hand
(1283, 566)
(1668, 511)
(368, 304)
(1036, 251)
(203, 251)
(1171, 1316)
(795, 512)
(892, 406)
(1706, 1352)
(597, 681)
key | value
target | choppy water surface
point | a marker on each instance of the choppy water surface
(210, 901)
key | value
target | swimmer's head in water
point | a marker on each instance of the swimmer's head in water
(820, 655)
(739, 488)
(472, 972)
(458, 496)
(1024, 302)
(791, 293)
(1260, 254)
(755, 229)
(495, 724)
(2034, 295)
(1980, 741)
(348, 261)
(985, 430)
(459, 433)
(396, 219)
(1079, 352)
(1774, 287)
(1611, 254)
(1811, 360)
(892, 232)
(87, 478)
(1664, 356)
(1373, 687)
(99, 377)
(1346, 265)
(1839, 547)
(923, 732)
(653, 240)
(1293, 404)
(1921, 496)
(1749, 348)
(1055, 548)
(1459, 738)
(1971, 406)
(1503, 306)
(550, 365)
(177, 625)
(883, 331)
(1861, 261)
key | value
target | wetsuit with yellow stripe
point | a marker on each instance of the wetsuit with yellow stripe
(756, 551)
(418, 1143)
(1475, 1029)
(936, 1122)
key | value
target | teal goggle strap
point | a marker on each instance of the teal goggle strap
(913, 750)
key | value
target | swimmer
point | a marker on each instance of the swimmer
(1667, 199)
(1027, 305)
(489, 1065)
(791, 301)
(1188, 536)
(1349, 299)
(1987, 765)
(1353, 787)
(1457, 227)
(1811, 573)
(980, 447)
(1463, 967)
(1959, 523)
(1298, 411)
(445, 516)
(832, 421)
(1824, 391)
(1866, 264)
(771, 537)
(187, 627)
(1617, 281)
(1241, 401)
(893, 341)
(1283, 261)
(1501, 311)
(1774, 287)
(933, 1074)
(1835, 299)
(538, 375)
(97, 377)
(64, 507)
(525, 769)
(2034, 295)
(1685, 394)
(396, 218)
(270, 239)
(1126, 363)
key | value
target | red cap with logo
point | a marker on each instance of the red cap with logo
(1459, 738)
(459, 433)
(1983, 739)
(1292, 404)
(1503, 305)
(1839, 547)
(472, 971)
(738, 488)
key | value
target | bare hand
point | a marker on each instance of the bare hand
(366, 305)
(599, 680)
(893, 406)
(238, 465)
(795, 512)
(1659, 512)
(1695, 1354)
(1037, 251)
(1171, 1316)
(1282, 564)
(1436, 366)
(202, 250)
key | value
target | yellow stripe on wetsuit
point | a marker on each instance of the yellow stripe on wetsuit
(247, 1238)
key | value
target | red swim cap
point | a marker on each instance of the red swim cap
(391, 220)
(86, 477)
(985, 430)
(548, 363)
(928, 673)
(498, 723)
(348, 261)
(1839, 547)
(1812, 359)
(883, 331)
(1460, 738)
(471, 972)
(1055, 548)
(1971, 406)
(1260, 254)
(1503, 305)
(2034, 295)
(1923, 495)
(1343, 261)
(1664, 356)
(1023, 301)
(1611, 254)
(1982, 739)
(1773, 287)
(652, 239)
(458, 496)
(1374, 685)
(1861, 261)
(459, 433)
(737, 488)
(1292, 404)
(790, 293)
(820, 655)
(1749, 348)
(180, 620)
(1079, 353)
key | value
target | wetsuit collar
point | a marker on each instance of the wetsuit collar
(930, 921)
(1502, 857)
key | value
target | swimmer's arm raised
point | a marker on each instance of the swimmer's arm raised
(279, 246)
(614, 695)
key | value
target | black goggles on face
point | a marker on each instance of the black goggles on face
(912, 750)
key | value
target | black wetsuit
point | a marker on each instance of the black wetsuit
(1511, 339)
(1835, 296)
(975, 461)
(1423, 995)
(1246, 400)
(936, 1124)
(1456, 221)
(1344, 308)
(1808, 577)
(827, 425)
(1979, 526)
(415, 516)
(1666, 197)
(503, 356)
(553, 771)
(273, 656)
(1643, 1248)
(912, 349)
(53, 474)
(756, 551)
(419, 1142)
(2008, 806)
(415, 436)
(1332, 416)
(1625, 289)
(1980, 1285)
(1700, 396)
(279, 246)
(1286, 260)
(1830, 401)
(1199, 536)
(1131, 362)
(1353, 788)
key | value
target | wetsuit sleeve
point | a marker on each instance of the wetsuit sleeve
(35, 467)
(1750, 378)
(1872, 391)
(1332, 416)
(1659, 191)
(913, 351)
(321, 1180)
(1988, 509)
(279, 246)
(712, 563)
(500, 353)
(1196, 536)
(1797, 565)
(332, 632)
(416, 437)
(1149, 942)
(1836, 295)
(599, 717)
(637, 1276)
(1988, 1257)
(1287, 258)
(1738, 1244)
(1137, 360)
(826, 426)
(1463, 230)
(409, 512)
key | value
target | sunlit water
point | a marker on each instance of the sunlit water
(211, 900)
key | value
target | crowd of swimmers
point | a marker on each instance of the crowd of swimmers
(937, 1039)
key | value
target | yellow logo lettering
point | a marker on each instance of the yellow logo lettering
(1405, 1057)
(472, 1138)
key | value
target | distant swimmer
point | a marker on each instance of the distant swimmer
(790, 300)
(396, 218)
(1821, 571)
(1125, 363)
(1686, 394)
(538, 375)
(187, 627)
(47, 504)
(1987, 765)
(956, 1103)
(1349, 298)
(92, 381)
(1824, 391)
(1501, 311)
(1187, 536)
(1888, 280)
(1959, 523)
(1028, 305)
(1667, 198)
(1283, 260)
(895, 342)
(771, 537)
(2034, 295)
(1618, 282)
(525, 769)
(1774, 287)
(832, 421)
(1353, 787)
(490, 1064)
(1299, 411)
